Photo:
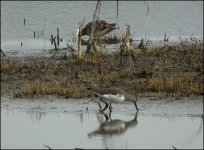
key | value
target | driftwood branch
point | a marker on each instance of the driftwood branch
(89, 46)
(79, 41)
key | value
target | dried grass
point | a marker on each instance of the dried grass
(176, 71)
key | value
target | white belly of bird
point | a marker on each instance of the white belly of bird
(114, 98)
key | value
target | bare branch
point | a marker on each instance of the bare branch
(73, 50)
(145, 2)
(92, 28)
(82, 22)
(117, 13)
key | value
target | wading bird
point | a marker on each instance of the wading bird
(101, 28)
(113, 95)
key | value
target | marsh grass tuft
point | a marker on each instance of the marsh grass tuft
(174, 85)
(39, 87)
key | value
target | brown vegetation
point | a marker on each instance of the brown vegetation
(170, 71)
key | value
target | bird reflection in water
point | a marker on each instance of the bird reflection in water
(111, 127)
(36, 115)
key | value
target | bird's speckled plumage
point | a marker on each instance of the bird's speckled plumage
(102, 28)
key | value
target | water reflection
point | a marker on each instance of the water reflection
(47, 126)
(200, 126)
(111, 127)
(36, 114)
(195, 134)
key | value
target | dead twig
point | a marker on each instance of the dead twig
(79, 41)
(117, 13)
(145, 2)
(89, 46)
(47, 146)
(83, 22)
(73, 50)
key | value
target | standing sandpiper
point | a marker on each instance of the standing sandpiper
(113, 95)
(102, 28)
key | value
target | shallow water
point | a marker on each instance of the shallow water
(179, 19)
(61, 123)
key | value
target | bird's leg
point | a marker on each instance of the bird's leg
(106, 116)
(136, 115)
(110, 108)
(110, 115)
(105, 106)
(100, 107)
(103, 101)
(136, 105)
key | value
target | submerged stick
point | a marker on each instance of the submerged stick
(58, 37)
(52, 39)
(55, 43)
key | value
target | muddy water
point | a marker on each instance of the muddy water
(61, 123)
